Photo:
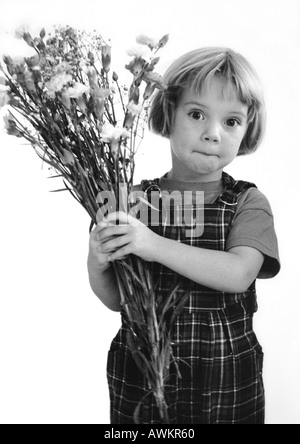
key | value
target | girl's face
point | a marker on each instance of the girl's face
(207, 132)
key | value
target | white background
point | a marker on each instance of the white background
(54, 333)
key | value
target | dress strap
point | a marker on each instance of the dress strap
(233, 190)
(148, 186)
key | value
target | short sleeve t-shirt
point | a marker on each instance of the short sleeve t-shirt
(253, 223)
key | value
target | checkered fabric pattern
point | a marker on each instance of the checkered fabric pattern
(214, 346)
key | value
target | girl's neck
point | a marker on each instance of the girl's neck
(180, 176)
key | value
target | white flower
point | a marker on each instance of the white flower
(106, 57)
(92, 75)
(112, 133)
(135, 109)
(57, 83)
(77, 90)
(101, 93)
(140, 52)
(148, 41)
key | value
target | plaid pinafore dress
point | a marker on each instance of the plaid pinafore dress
(218, 355)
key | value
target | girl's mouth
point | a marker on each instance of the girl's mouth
(205, 154)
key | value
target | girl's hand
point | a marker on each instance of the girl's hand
(130, 237)
(97, 257)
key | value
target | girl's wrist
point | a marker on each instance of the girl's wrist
(95, 266)
(158, 247)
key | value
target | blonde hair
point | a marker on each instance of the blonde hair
(193, 70)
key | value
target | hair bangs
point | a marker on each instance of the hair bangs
(234, 80)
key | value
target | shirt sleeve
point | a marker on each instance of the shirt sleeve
(253, 226)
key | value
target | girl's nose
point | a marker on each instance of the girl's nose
(211, 134)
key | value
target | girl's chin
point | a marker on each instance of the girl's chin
(205, 164)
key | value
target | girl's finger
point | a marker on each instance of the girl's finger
(115, 244)
(117, 216)
(122, 217)
(98, 229)
(111, 231)
(121, 253)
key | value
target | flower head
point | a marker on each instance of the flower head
(112, 133)
(136, 66)
(157, 79)
(92, 75)
(106, 57)
(148, 41)
(57, 83)
(153, 80)
(11, 125)
(77, 90)
(99, 95)
(140, 52)
(134, 108)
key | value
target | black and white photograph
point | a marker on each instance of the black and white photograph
(149, 190)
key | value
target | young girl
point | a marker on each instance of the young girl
(212, 111)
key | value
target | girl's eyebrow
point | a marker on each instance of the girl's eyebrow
(194, 103)
(239, 113)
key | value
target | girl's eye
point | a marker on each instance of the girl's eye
(196, 115)
(232, 122)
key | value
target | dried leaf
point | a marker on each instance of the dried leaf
(58, 191)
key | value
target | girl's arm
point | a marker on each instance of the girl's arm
(231, 271)
(102, 280)
(104, 286)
